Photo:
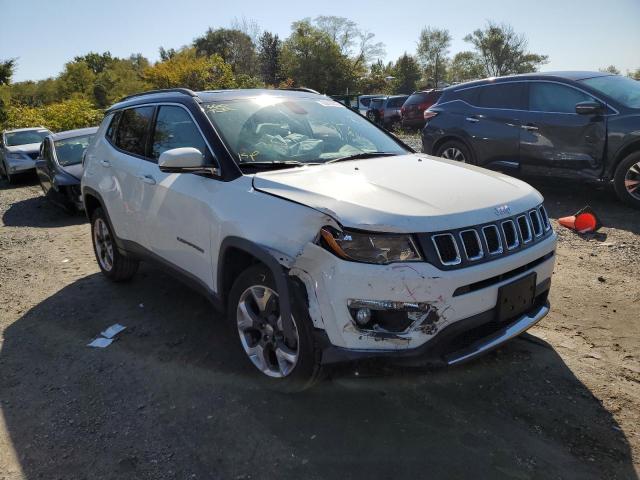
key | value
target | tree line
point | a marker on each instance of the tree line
(328, 53)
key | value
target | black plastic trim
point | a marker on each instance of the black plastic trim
(279, 274)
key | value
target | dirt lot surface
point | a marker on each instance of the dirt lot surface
(174, 398)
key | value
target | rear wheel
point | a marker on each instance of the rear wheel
(289, 364)
(112, 263)
(455, 150)
(627, 180)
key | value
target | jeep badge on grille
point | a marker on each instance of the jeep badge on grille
(503, 210)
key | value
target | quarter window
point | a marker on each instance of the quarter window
(133, 128)
(555, 98)
(175, 129)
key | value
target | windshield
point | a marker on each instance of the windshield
(268, 128)
(69, 151)
(25, 137)
(622, 89)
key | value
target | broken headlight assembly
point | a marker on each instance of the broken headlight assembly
(378, 248)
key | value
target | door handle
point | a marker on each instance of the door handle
(105, 163)
(147, 179)
(529, 127)
(472, 119)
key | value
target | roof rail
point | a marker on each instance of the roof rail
(184, 91)
(300, 89)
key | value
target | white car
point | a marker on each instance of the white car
(19, 150)
(324, 238)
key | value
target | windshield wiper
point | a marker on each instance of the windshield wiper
(276, 164)
(360, 155)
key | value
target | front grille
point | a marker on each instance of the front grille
(485, 242)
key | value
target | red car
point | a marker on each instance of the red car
(413, 109)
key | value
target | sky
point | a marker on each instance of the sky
(575, 34)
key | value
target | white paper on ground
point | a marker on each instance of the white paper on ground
(100, 342)
(113, 330)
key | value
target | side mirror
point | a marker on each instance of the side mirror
(184, 160)
(589, 108)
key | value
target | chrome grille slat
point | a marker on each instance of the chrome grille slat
(536, 223)
(528, 235)
(439, 249)
(513, 231)
(478, 244)
(498, 248)
(545, 218)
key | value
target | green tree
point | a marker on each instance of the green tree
(186, 69)
(407, 74)
(123, 77)
(77, 79)
(269, 58)
(166, 54)
(611, 69)
(635, 75)
(465, 66)
(7, 68)
(379, 79)
(97, 62)
(312, 59)
(433, 51)
(233, 46)
(503, 51)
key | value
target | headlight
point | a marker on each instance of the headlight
(380, 248)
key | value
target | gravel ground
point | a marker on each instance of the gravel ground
(173, 398)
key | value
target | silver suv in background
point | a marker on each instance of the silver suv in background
(19, 150)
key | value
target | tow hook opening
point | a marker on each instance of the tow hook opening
(386, 316)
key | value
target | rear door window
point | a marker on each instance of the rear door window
(396, 102)
(555, 97)
(133, 130)
(511, 96)
(175, 129)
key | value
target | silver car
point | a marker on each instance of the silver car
(19, 150)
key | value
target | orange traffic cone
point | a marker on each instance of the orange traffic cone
(583, 221)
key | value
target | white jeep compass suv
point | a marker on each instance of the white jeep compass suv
(323, 237)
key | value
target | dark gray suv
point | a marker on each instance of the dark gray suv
(577, 124)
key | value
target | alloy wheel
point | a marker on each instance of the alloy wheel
(103, 243)
(261, 333)
(453, 153)
(632, 181)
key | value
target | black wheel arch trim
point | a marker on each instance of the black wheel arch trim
(280, 275)
(90, 192)
(623, 152)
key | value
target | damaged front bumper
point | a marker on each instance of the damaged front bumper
(459, 320)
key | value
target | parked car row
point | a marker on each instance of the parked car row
(56, 158)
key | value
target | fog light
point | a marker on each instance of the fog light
(363, 316)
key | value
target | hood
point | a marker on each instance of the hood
(74, 170)
(408, 193)
(27, 148)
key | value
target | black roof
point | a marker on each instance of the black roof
(182, 94)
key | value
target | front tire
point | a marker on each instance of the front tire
(626, 180)
(455, 150)
(115, 266)
(254, 315)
